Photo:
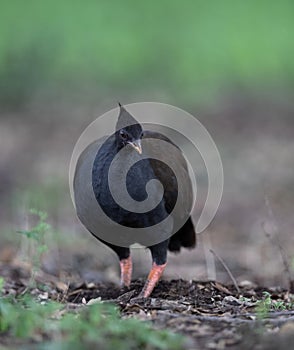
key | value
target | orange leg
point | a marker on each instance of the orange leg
(152, 280)
(126, 268)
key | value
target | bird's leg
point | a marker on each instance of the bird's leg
(152, 280)
(125, 262)
(159, 254)
(126, 268)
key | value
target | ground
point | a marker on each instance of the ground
(209, 314)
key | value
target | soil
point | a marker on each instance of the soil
(210, 314)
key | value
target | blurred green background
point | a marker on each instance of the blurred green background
(187, 51)
(230, 63)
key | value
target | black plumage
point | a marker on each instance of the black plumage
(91, 184)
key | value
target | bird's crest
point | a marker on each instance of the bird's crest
(125, 118)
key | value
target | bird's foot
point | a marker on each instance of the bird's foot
(152, 280)
(126, 268)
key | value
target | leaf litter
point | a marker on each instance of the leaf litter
(210, 314)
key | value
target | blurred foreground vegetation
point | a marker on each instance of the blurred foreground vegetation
(29, 324)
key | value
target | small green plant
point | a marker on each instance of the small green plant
(37, 234)
(279, 305)
(267, 304)
(263, 306)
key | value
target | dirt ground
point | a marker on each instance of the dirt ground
(210, 314)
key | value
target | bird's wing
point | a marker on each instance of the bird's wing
(176, 160)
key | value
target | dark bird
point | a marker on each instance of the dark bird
(91, 187)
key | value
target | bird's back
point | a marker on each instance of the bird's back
(165, 175)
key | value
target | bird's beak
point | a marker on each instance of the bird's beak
(137, 146)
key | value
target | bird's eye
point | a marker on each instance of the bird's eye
(123, 134)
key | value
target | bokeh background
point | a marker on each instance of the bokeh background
(229, 63)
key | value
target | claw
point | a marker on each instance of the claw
(152, 280)
(126, 268)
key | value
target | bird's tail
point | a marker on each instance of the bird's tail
(185, 237)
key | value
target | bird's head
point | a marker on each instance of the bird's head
(128, 130)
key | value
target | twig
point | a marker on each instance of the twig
(210, 261)
(77, 291)
(227, 269)
(274, 241)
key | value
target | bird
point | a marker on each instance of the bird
(91, 187)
